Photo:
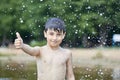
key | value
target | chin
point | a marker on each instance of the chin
(54, 45)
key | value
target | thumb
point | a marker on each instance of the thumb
(18, 35)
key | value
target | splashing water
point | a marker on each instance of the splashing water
(116, 74)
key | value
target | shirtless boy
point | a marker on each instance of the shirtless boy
(53, 62)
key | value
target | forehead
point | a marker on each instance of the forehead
(53, 30)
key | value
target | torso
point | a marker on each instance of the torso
(51, 65)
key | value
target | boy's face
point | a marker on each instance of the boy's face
(54, 38)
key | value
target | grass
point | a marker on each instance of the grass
(98, 55)
(17, 71)
(3, 55)
(21, 71)
(93, 73)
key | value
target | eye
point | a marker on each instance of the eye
(51, 33)
(59, 34)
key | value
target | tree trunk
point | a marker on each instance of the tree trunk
(103, 35)
(4, 41)
(84, 40)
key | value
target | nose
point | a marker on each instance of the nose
(54, 37)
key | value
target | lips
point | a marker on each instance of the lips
(54, 41)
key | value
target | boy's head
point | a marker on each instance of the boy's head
(56, 24)
(54, 31)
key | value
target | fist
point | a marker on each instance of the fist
(18, 41)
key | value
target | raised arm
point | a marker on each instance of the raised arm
(69, 71)
(33, 51)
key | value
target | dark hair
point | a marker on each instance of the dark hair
(56, 24)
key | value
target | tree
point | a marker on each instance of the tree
(87, 21)
(8, 20)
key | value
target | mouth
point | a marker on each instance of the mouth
(54, 41)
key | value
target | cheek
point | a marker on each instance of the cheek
(48, 37)
(60, 38)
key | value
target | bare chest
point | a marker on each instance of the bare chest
(54, 59)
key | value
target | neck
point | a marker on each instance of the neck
(52, 47)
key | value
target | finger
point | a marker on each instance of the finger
(17, 40)
(18, 35)
(17, 45)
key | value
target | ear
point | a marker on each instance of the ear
(45, 34)
(64, 35)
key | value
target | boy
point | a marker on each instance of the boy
(53, 62)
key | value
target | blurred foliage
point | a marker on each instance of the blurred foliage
(38, 43)
(88, 22)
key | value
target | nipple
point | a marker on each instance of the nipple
(44, 61)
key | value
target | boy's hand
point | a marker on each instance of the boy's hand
(18, 41)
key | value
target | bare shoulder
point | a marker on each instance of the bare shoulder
(67, 51)
(39, 47)
(42, 49)
(37, 50)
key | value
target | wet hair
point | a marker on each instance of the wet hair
(56, 24)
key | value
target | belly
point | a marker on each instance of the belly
(52, 73)
(59, 73)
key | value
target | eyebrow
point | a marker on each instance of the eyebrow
(56, 31)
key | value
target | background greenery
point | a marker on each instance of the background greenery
(89, 23)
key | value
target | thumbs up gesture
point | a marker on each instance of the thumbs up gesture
(18, 41)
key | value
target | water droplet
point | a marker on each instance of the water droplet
(88, 37)
(88, 7)
(86, 24)
(101, 14)
(21, 20)
(64, 2)
(10, 8)
(86, 75)
(31, 1)
(26, 36)
(23, 6)
(39, 26)
(53, 0)
(70, 6)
